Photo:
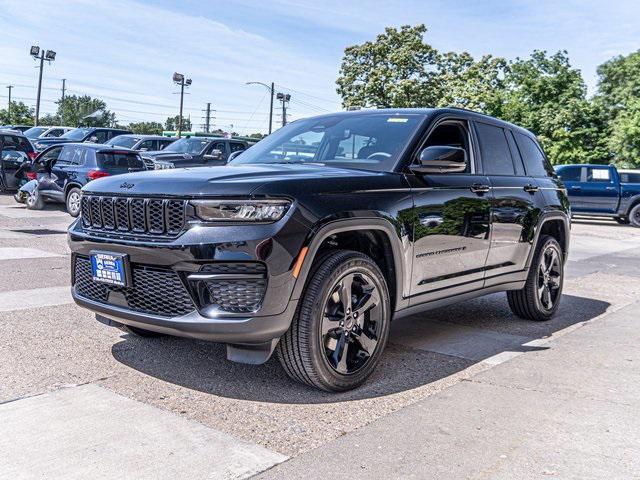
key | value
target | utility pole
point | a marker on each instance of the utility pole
(271, 91)
(284, 98)
(41, 55)
(64, 88)
(207, 118)
(179, 79)
(9, 106)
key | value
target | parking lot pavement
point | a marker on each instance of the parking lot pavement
(52, 350)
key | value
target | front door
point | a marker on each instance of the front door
(599, 190)
(451, 222)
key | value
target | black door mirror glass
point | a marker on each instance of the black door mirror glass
(215, 154)
(441, 159)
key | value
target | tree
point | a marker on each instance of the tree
(21, 114)
(153, 128)
(618, 93)
(49, 119)
(75, 108)
(172, 123)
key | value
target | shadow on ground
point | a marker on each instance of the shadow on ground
(202, 366)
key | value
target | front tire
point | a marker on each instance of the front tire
(73, 201)
(540, 297)
(342, 324)
(634, 216)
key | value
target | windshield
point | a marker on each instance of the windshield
(35, 132)
(369, 141)
(187, 145)
(76, 134)
(123, 141)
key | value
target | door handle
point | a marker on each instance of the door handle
(575, 187)
(479, 188)
(531, 188)
(610, 188)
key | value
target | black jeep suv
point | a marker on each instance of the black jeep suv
(312, 240)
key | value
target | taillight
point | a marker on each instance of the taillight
(94, 174)
(31, 175)
(32, 155)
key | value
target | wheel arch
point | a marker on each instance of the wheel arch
(556, 224)
(632, 202)
(379, 230)
(69, 186)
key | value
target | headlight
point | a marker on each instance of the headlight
(241, 210)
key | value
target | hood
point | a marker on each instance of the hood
(52, 141)
(240, 180)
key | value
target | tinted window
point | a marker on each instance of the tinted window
(236, 147)
(101, 136)
(14, 142)
(496, 156)
(534, 160)
(598, 175)
(630, 177)
(218, 146)
(117, 160)
(77, 134)
(570, 174)
(163, 143)
(72, 155)
(188, 145)
(123, 141)
(515, 154)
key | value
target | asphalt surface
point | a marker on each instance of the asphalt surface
(437, 369)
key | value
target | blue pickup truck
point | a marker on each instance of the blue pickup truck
(603, 191)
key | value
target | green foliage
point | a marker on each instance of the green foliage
(172, 123)
(49, 120)
(21, 114)
(150, 128)
(75, 108)
(542, 93)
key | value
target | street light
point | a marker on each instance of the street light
(179, 79)
(39, 54)
(270, 88)
(284, 98)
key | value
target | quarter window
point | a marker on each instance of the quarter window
(494, 148)
(534, 160)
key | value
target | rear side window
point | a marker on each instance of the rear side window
(630, 177)
(570, 174)
(598, 175)
(494, 148)
(535, 162)
(118, 160)
(72, 155)
(237, 147)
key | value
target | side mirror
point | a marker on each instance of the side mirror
(235, 154)
(214, 155)
(441, 159)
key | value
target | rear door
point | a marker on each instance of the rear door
(600, 191)
(572, 176)
(13, 154)
(514, 201)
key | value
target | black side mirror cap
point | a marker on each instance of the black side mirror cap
(441, 159)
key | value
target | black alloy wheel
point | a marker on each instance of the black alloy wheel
(549, 276)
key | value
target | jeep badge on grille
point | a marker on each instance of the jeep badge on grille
(126, 185)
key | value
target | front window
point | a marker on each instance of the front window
(188, 145)
(76, 134)
(370, 141)
(123, 141)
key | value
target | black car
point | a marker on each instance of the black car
(62, 170)
(16, 128)
(16, 154)
(196, 151)
(311, 241)
(81, 134)
(141, 143)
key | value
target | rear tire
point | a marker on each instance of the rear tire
(341, 326)
(72, 201)
(140, 332)
(540, 297)
(35, 201)
(634, 216)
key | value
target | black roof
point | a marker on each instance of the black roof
(144, 136)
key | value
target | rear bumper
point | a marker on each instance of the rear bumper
(237, 330)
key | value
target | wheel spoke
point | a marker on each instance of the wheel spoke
(552, 262)
(370, 300)
(338, 352)
(328, 324)
(546, 297)
(366, 342)
(346, 291)
(554, 281)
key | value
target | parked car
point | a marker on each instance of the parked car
(45, 132)
(312, 251)
(82, 134)
(62, 170)
(16, 154)
(19, 128)
(196, 151)
(141, 143)
(603, 191)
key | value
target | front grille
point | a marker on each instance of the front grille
(156, 291)
(242, 295)
(133, 216)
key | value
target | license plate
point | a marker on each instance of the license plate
(111, 268)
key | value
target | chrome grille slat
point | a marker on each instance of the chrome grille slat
(134, 216)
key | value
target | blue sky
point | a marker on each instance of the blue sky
(125, 51)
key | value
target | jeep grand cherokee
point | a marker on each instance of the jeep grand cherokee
(313, 240)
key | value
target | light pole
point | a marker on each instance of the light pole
(41, 55)
(284, 98)
(9, 105)
(179, 79)
(270, 88)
